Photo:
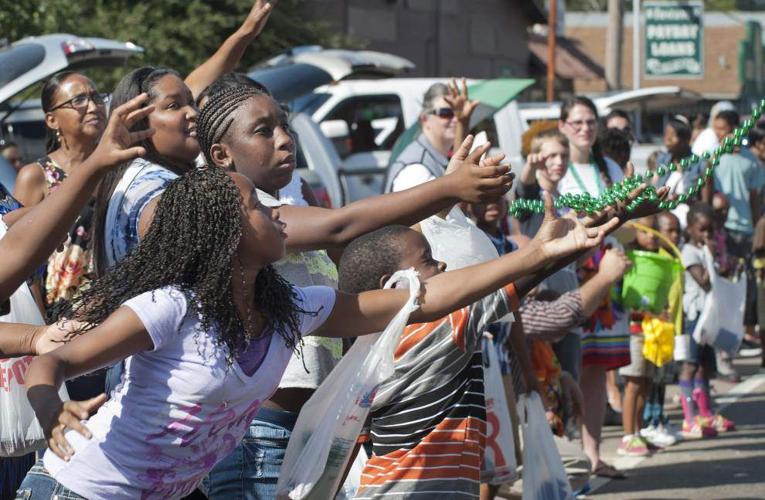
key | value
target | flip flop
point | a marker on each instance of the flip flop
(605, 470)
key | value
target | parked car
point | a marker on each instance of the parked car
(30, 61)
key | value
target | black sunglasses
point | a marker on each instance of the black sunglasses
(445, 113)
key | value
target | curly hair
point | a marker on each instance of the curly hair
(191, 245)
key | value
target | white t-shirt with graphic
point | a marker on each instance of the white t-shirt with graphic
(181, 408)
(585, 177)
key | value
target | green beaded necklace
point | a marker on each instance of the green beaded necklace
(620, 191)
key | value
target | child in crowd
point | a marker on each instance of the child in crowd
(428, 420)
(699, 421)
(758, 262)
(657, 430)
(640, 371)
(616, 144)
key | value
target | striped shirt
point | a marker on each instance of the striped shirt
(428, 421)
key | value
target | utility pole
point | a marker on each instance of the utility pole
(552, 23)
(635, 44)
(614, 44)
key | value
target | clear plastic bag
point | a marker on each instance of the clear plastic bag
(330, 422)
(20, 433)
(499, 465)
(544, 477)
(721, 322)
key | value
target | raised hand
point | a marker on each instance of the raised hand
(459, 100)
(116, 144)
(477, 180)
(258, 17)
(562, 236)
(613, 265)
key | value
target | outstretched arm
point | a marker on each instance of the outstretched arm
(120, 336)
(30, 241)
(444, 293)
(310, 228)
(228, 55)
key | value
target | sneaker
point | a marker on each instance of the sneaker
(708, 429)
(697, 431)
(633, 446)
(658, 436)
(749, 349)
(672, 430)
(722, 424)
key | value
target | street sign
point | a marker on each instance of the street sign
(674, 39)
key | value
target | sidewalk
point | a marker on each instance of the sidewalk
(731, 465)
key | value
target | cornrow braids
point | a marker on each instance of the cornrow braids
(215, 117)
(191, 245)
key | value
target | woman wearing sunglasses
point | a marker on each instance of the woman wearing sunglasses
(444, 120)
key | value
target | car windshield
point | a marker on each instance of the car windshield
(18, 60)
(309, 103)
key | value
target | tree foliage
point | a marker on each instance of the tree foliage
(179, 34)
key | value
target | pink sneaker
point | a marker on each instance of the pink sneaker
(722, 424)
(633, 446)
(696, 431)
(707, 426)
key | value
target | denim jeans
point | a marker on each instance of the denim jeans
(39, 485)
(251, 471)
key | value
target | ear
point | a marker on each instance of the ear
(220, 156)
(561, 124)
(384, 279)
(51, 121)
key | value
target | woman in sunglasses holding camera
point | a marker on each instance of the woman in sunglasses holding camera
(444, 120)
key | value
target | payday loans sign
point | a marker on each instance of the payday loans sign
(674, 39)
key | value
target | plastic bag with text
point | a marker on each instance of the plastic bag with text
(20, 433)
(721, 322)
(499, 465)
(330, 422)
(544, 477)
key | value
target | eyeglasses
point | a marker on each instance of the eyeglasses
(578, 124)
(80, 101)
(445, 113)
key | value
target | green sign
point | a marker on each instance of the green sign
(674, 39)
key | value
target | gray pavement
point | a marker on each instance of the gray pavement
(729, 466)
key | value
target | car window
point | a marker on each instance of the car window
(18, 60)
(364, 123)
(309, 103)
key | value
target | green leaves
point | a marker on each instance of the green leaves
(180, 34)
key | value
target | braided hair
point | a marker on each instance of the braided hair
(191, 245)
(596, 152)
(215, 117)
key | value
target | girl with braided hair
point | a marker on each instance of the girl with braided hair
(207, 328)
(242, 128)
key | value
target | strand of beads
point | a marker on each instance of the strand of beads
(620, 191)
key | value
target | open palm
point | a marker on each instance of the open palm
(563, 236)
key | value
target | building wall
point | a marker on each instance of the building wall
(479, 38)
(721, 46)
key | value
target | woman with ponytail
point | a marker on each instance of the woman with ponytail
(605, 344)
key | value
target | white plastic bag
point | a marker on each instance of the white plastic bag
(721, 322)
(20, 433)
(330, 422)
(499, 463)
(544, 477)
(457, 241)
